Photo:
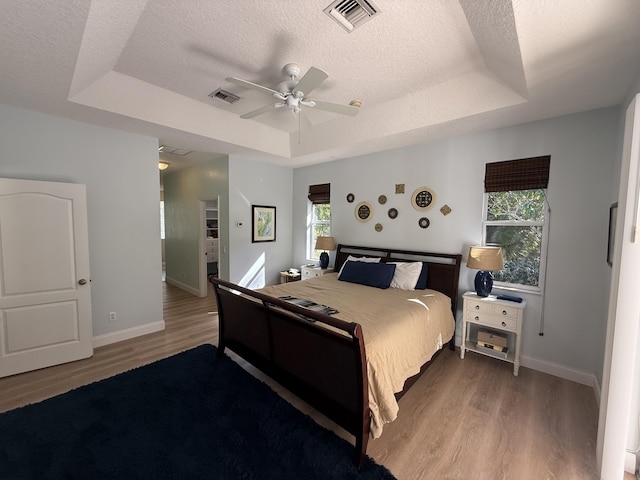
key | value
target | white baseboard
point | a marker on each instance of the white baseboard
(183, 286)
(562, 371)
(127, 333)
(630, 462)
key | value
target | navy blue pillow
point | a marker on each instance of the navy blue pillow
(421, 284)
(377, 275)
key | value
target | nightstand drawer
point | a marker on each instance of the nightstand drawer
(506, 323)
(480, 307)
(505, 311)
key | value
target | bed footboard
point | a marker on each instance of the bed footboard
(319, 358)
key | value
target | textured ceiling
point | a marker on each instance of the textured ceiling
(423, 69)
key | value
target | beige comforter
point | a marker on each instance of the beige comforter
(402, 330)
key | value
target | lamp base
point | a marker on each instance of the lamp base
(483, 283)
(324, 260)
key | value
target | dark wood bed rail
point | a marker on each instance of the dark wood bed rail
(325, 367)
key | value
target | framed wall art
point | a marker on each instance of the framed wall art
(423, 199)
(363, 211)
(263, 224)
(613, 213)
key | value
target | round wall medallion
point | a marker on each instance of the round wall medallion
(363, 211)
(378, 227)
(424, 222)
(393, 213)
(382, 199)
(350, 198)
(423, 199)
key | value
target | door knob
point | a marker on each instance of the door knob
(82, 281)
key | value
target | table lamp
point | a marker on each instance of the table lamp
(325, 243)
(486, 259)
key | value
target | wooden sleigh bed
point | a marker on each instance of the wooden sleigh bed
(323, 358)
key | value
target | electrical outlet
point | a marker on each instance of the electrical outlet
(112, 316)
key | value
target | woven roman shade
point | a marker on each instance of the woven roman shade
(320, 193)
(523, 174)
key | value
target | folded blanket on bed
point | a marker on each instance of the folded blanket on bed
(301, 302)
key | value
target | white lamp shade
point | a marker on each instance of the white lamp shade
(485, 257)
(325, 243)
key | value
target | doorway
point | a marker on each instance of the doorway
(209, 243)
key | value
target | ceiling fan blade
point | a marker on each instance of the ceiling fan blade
(337, 108)
(259, 111)
(254, 86)
(311, 80)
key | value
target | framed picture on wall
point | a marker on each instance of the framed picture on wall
(263, 224)
(613, 213)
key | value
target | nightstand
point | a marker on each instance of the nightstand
(310, 271)
(500, 316)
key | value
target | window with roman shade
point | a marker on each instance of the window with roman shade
(515, 217)
(319, 215)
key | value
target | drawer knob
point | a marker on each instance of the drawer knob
(477, 307)
(477, 318)
(504, 324)
(504, 312)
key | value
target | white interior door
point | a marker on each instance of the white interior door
(45, 295)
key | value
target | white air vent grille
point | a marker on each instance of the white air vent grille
(351, 14)
(174, 150)
(225, 96)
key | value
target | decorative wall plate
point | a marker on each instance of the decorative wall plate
(363, 211)
(399, 188)
(424, 222)
(350, 198)
(445, 210)
(423, 199)
(393, 213)
(378, 227)
(382, 199)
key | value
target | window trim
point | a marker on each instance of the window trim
(518, 287)
(311, 229)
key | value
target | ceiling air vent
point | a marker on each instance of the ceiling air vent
(351, 14)
(174, 150)
(225, 96)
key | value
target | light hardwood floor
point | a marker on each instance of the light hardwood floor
(464, 419)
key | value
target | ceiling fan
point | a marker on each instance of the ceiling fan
(293, 93)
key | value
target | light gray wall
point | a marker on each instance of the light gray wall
(120, 171)
(583, 149)
(255, 183)
(183, 191)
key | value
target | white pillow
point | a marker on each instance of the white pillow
(351, 258)
(406, 275)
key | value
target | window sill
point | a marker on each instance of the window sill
(532, 291)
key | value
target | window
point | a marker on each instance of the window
(515, 220)
(319, 217)
(516, 215)
(320, 226)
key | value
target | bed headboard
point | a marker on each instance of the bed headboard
(444, 268)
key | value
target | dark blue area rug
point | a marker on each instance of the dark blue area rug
(190, 416)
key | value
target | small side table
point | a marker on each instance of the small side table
(286, 277)
(498, 315)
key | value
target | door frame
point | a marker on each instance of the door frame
(203, 289)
